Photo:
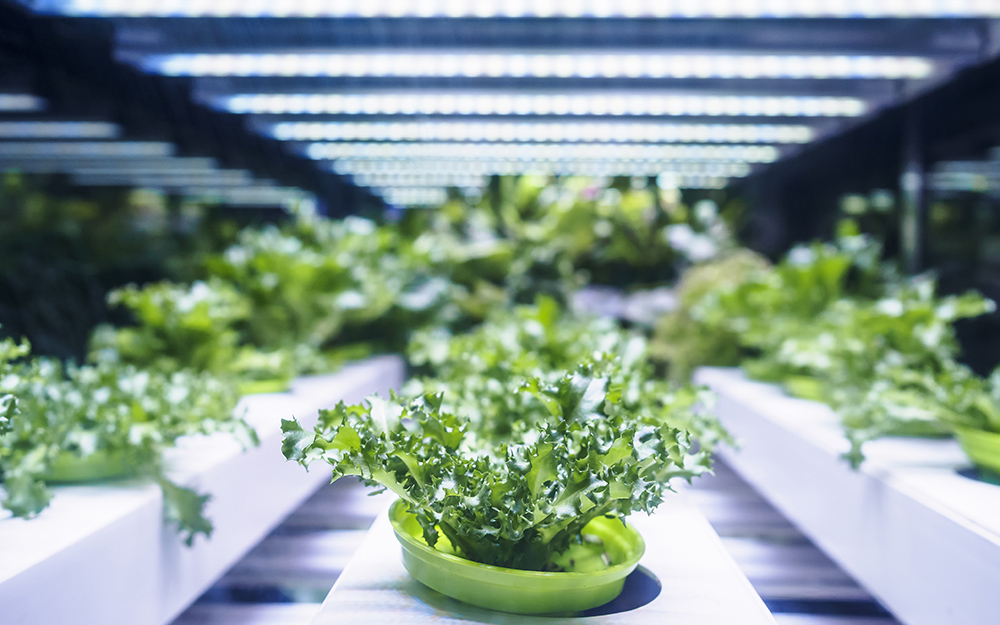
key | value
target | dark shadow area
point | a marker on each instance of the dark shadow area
(980, 475)
(641, 587)
(826, 607)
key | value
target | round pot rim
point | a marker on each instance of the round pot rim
(398, 509)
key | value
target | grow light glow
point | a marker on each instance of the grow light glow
(248, 196)
(542, 151)
(564, 103)
(554, 64)
(435, 169)
(405, 179)
(574, 132)
(20, 102)
(58, 130)
(223, 178)
(84, 149)
(413, 196)
(524, 8)
(107, 165)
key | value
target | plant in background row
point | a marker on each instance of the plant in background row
(108, 419)
(474, 370)
(832, 324)
(10, 353)
(178, 326)
(686, 343)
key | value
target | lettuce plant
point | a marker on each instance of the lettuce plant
(116, 409)
(177, 326)
(517, 500)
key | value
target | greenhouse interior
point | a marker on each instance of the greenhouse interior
(335, 312)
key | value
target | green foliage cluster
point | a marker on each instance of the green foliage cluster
(522, 500)
(523, 430)
(541, 341)
(278, 302)
(832, 324)
(284, 300)
(686, 342)
(113, 411)
(10, 352)
(544, 236)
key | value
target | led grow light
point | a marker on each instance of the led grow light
(541, 151)
(84, 149)
(525, 8)
(413, 196)
(564, 103)
(108, 165)
(406, 179)
(554, 64)
(248, 196)
(20, 102)
(574, 132)
(225, 178)
(58, 130)
(441, 172)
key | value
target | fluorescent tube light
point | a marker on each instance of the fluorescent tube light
(413, 196)
(224, 178)
(406, 179)
(554, 64)
(434, 171)
(541, 151)
(83, 149)
(559, 132)
(560, 103)
(58, 130)
(20, 102)
(524, 8)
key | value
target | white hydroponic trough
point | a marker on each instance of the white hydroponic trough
(101, 554)
(700, 582)
(920, 536)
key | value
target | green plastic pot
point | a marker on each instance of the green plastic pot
(100, 465)
(512, 590)
(253, 387)
(982, 447)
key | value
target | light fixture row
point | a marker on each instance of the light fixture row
(220, 178)
(542, 151)
(564, 103)
(20, 102)
(412, 196)
(403, 179)
(526, 8)
(435, 196)
(434, 169)
(58, 130)
(84, 149)
(561, 132)
(249, 196)
(555, 64)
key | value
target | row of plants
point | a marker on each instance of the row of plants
(526, 429)
(279, 302)
(283, 301)
(833, 323)
(65, 423)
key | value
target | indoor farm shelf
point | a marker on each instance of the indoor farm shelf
(697, 582)
(101, 553)
(913, 524)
